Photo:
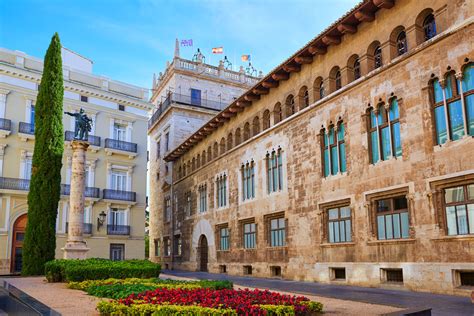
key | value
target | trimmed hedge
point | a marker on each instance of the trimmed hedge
(98, 269)
(113, 308)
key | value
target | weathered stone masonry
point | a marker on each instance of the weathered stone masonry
(429, 258)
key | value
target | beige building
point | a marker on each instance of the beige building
(350, 163)
(185, 96)
(116, 160)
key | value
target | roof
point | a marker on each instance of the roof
(332, 35)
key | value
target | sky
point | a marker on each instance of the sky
(130, 40)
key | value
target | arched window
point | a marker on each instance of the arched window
(255, 126)
(203, 158)
(377, 57)
(193, 164)
(246, 131)
(198, 161)
(451, 123)
(222, 146)
(209, 154)
(429, 27)
(334, 150)
(229, 141)
(216, 150)
(277, 115)
(356, 69)
(266, 119)
(338, 80)
(184, 170)
(238, 137)
(402, 46)
(318, 89)
(180, 172)
(290, 108)
(303, 97)
(384, 132)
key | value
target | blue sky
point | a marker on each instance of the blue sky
(130, 40)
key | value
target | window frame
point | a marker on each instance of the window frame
(325, 207)
(202, 201)
(221, 190)
(274, 170)
(337, 143)
(268, 229)
(467, 200)
(243, 234)
(220, 237)
(247, 171)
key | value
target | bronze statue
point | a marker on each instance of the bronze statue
(83, 125)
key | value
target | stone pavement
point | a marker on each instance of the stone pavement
(447, 305)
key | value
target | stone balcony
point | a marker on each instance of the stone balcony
(5, 127)
(14, 184)
(94, 141)
(120, 230)
(89, 192)
(120, 147)
(118, 196)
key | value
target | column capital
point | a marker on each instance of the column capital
(459, 75)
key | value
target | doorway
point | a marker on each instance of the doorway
(18, 236)
(203, 250)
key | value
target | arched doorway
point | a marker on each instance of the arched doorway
(18, 236)
(203, 251)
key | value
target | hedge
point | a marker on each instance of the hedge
(98, 269)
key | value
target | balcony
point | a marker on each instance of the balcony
(94, 141)
(89, 192)
(86, 229)
(14, 184)
(114, 146)
(186, 100)
(5, 127)
(123, 230)
(117, 195)
(26, 131)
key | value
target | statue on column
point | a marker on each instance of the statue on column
(83, 125)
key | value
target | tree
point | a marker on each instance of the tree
(45, 186)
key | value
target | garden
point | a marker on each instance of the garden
(133, 287)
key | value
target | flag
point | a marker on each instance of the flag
(245, 57)
(188, 42)
(218, 50)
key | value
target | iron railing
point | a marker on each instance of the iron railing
(118, 230)
(109, 194)
(121, 145)
(92, 139)
(86, 229)
(26, 128)
(187, 100)
(5, 124)
(90, 192)
(14, 184)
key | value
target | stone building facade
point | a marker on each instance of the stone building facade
(186, 96)
(116, 159)
(351, 162)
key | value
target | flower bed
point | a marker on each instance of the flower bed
(98, 269)
(122, 288)
(210, 302)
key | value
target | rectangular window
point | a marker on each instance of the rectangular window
(120, 132)
(117, 217)
(167, 141)
(121, 107)
(250, 236)
(392, 218)
(84, 98)
(274, 171)
(195, 97)
(459, 203)
(188, 203)
(117, 252)
(177, 245)
(167, 211)
(277, 232)
(166, 246)
(158, 150)
(221, 191)
(119, 180)
(339, 224)
(203, 198)
(248, 181)
(32, 114)
(393, 275)
(224, 235)
(28, 166)
(157, 247)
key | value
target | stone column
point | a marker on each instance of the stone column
(76, 247)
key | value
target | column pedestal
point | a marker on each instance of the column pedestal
(76, 247)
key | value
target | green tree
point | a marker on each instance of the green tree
(45, 186)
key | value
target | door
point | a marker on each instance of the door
(203, 253)
(19, 228)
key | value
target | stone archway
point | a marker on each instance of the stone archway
(19, 228)
(203, 251)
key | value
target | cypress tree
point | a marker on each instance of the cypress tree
(45, 186)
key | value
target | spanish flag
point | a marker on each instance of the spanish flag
(218, 50)
(245, 57)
